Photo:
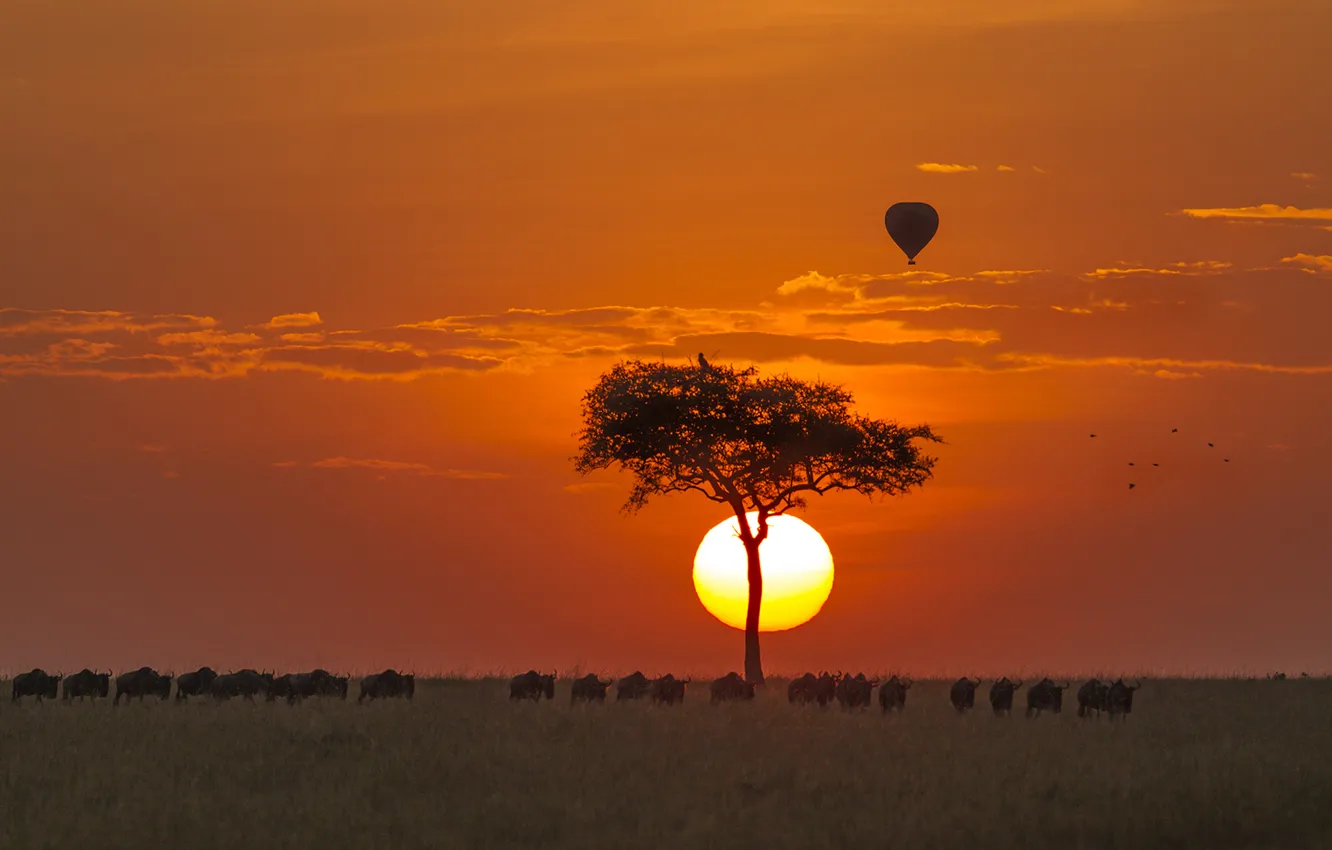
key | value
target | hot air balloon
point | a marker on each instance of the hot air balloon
(912, 225)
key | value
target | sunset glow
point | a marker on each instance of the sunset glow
(298, 301)
(797, 573)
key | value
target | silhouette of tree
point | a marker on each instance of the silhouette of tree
(755, 444)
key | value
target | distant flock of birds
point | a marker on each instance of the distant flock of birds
(851, 692)
(206, 682)
(1133, 485)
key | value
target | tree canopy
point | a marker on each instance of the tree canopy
(754, 443)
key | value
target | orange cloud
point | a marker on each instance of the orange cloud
(1006, 168)
(1307, 176)
(1190, 268)
(1312, 263)
(15, 322)
(1268, 212)
(945, 168)
(293, 320)
(421, 469)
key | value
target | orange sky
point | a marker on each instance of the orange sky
(297, 305)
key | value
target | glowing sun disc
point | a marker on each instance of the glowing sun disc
(797, 573)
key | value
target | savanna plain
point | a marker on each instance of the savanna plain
(1199, 763)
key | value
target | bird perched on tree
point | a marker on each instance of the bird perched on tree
(703, 362)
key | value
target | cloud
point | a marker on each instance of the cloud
(293, 320)
(1307, 176)
(207, 338)
(1039, 170)
(1154, 365)
(1312, 263)
(945, 168)
(16, 322)
(1149, 315)
(1006, 168)
(1263, 212)
(1199, 267)
(421, 469)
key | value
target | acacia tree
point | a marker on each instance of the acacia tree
(755, 444)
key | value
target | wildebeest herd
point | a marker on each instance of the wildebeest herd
(1113, 698)
(206, 682)
(851, 692)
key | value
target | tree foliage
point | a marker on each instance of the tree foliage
(754, 443)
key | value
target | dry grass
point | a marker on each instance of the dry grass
(1213, 764)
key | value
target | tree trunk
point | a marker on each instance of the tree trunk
(753, 663)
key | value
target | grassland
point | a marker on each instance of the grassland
(1200, 764)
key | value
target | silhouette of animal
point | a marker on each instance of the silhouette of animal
(141, 683)
(589, 689)
(855, 691)
(1091, 697)
(1119, 699)
(387, 685)
(1045, 695)
(703, 362)
(245, 683)
(668, 689)
(731, 687)
(633, 686)
(893, 694)
(86, 683)
(532, 685)
(1001, 696)
(195, 684)
(963, 694)
(35, 683)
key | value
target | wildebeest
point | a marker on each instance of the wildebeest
(387, 685)
(1119, 699)
(141, 683)
(532, 685)
(283, 686)
(590, 688)
(963, 694)
(810, 688)
(1045, 695)
(195, 684)
(855, 691)
(325, 684)
(316, 683)
(729, 687)
(245, 683)
(668, 689)
(633, 686)
(35, 683)
(1001, 696)
(86, 683)
(1091, 697)
(893, 694)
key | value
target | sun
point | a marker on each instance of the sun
(797, 573)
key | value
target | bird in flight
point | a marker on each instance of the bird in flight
(1210, 446)
(1093, 435)
(1131, 486)
(1130, 463)
(1156, 464)
(1226, 459)
(1174, 430)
